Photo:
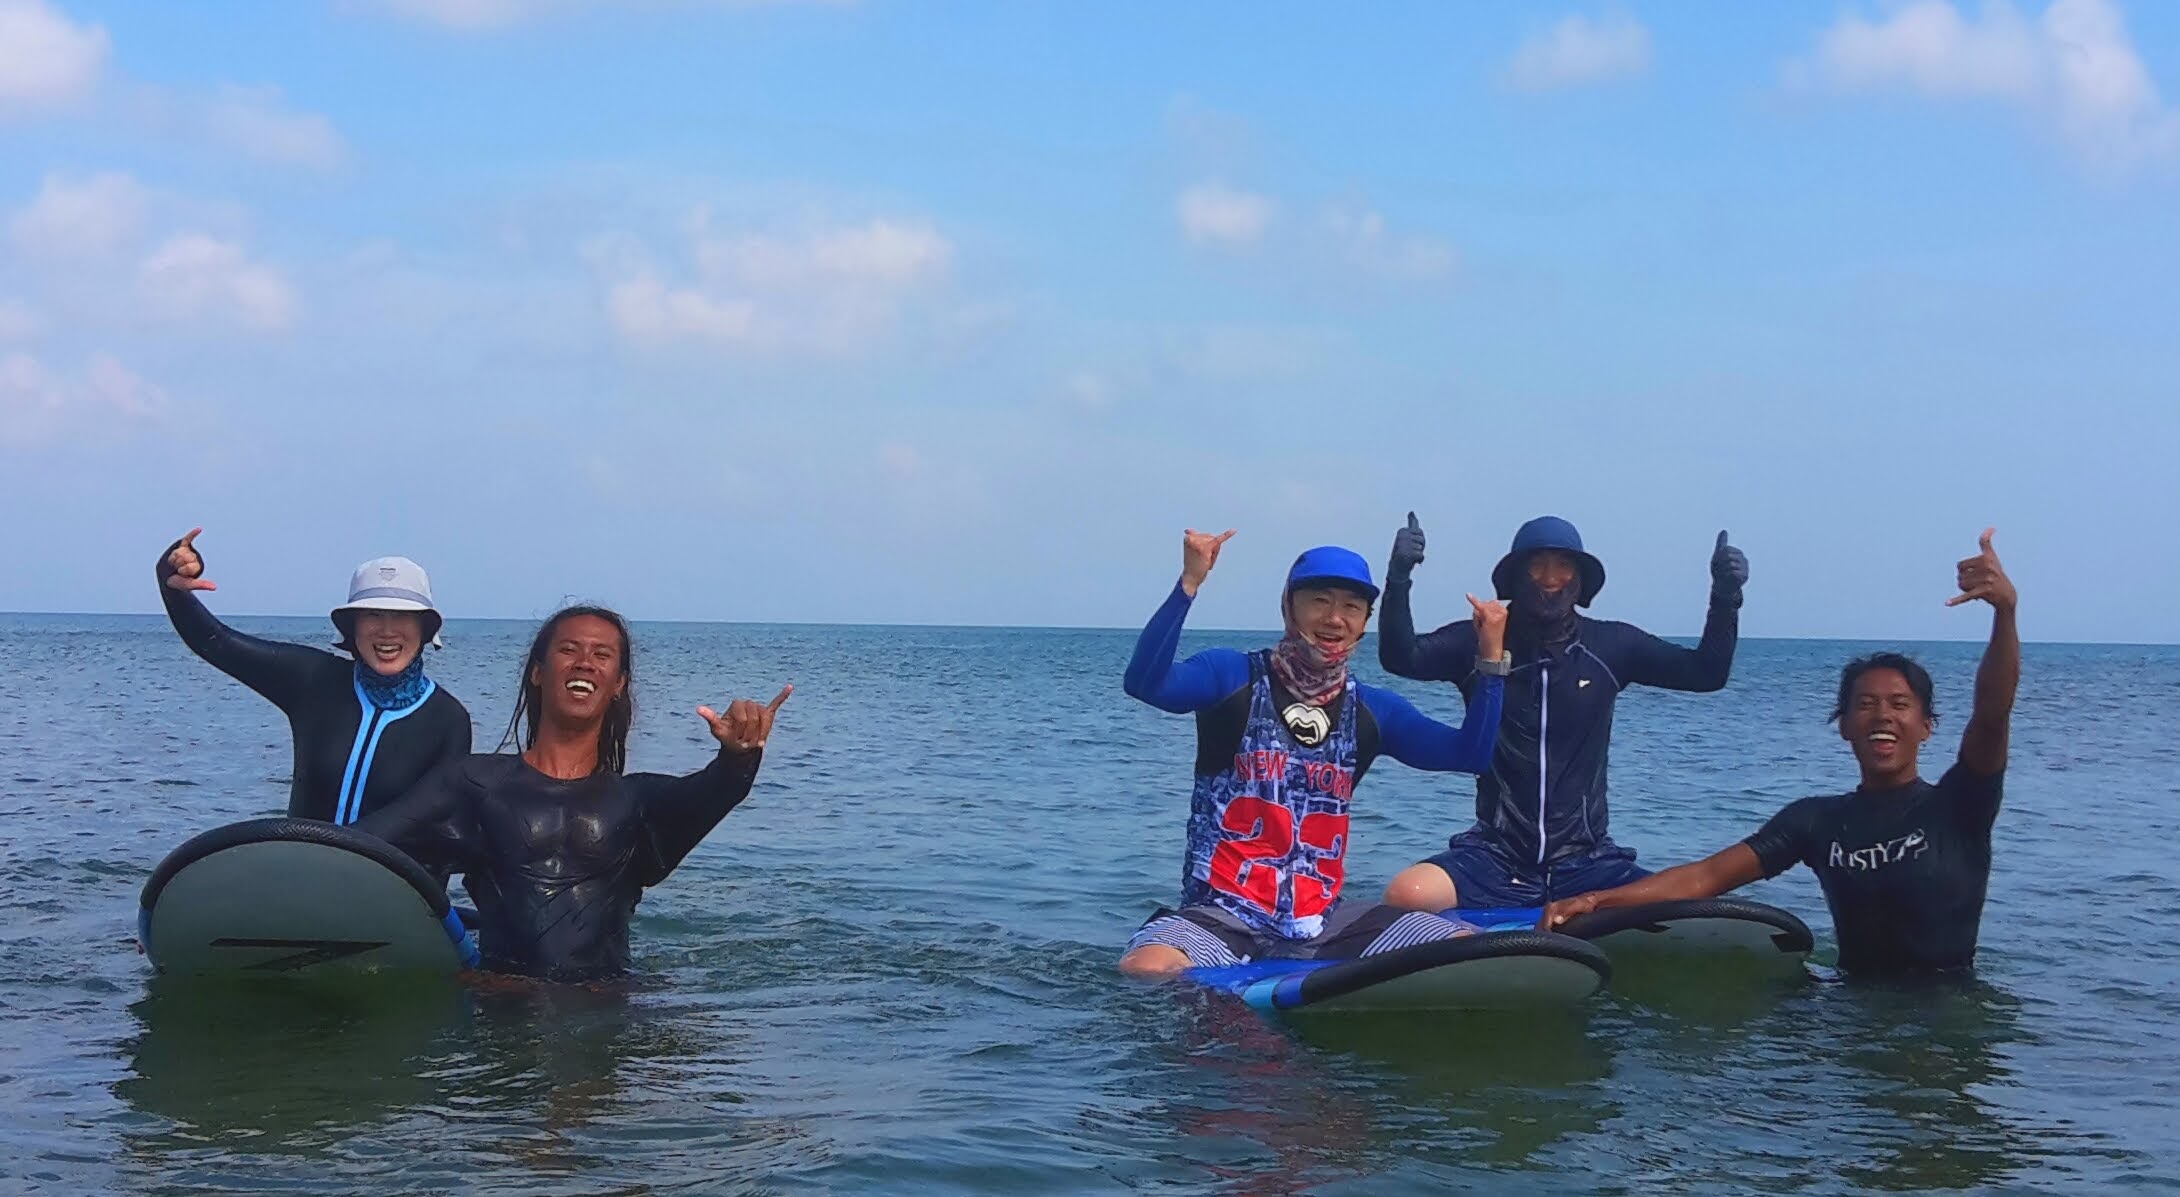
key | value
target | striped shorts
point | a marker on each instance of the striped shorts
(1212, 938)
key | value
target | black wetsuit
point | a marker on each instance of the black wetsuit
(351, 757)
(557, 867)
(1904, 871)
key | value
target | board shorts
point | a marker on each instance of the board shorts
(1485, 878)
(1212, 938)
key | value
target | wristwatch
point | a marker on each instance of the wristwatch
(1499, 668)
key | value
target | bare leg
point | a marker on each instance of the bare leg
(1421, 887)
(1154, 961)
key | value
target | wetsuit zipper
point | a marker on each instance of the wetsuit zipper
(1544, 727)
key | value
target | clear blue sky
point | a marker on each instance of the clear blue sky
(960, 313)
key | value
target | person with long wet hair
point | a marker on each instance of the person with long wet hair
(366, 727)
(557, 843)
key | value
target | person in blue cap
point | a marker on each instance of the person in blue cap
(1283, 736)
(1541, 831)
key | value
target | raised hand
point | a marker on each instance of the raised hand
(1199, 552)
(185, 565)
(1490, 628)
(1729, 568)
(747, 723)
(1407, 549)
(1981, 577)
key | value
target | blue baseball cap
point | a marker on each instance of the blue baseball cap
(1330, 565)
(1548, 532)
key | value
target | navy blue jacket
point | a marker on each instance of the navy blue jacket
(1543, 799)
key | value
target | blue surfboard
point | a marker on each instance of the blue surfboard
(1517, 969)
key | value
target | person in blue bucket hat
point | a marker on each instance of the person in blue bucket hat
(1283, 737)
(1541, 830)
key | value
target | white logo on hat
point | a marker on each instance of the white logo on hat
(386, 573)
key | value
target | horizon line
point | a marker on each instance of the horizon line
(1005, 627)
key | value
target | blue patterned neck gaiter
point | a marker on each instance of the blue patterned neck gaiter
(392, 693)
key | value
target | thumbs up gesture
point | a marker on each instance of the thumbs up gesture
(1729, 571)
(1407, 550)
(1981, 577)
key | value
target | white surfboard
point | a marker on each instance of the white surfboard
(274, 896)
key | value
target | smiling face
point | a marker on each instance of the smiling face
(582, 670)
(1885, 723)
(386, 641)
(1553, 570)
(1331, 618)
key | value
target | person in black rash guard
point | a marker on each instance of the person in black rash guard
(365, 729)
(1904, 864)
(557, 844)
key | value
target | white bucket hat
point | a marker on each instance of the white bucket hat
(390, 584)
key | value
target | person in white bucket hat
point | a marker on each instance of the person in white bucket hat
(389, 584)
(366, 727)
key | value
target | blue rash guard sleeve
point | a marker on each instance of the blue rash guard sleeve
(1421, 742)
(1191, 685)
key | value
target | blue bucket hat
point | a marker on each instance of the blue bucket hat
(1330, 565)
(1548, 532)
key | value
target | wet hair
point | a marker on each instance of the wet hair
(1918, 680)
(620, 713)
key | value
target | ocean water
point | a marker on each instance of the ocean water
(891, 970)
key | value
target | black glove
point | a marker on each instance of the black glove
(1729, 572)
(1407, 551)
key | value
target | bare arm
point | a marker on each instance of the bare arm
(1983, 746)
(1706, 878)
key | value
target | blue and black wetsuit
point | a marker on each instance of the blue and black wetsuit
(557, 867)
(360, 739)
(1541, 818)
(1268, 818)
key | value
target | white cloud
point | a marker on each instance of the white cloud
(80, 218)
(1213, 213)
(1360, 233)
(1089, 393)
(17, 321)
(1578, 51)
(924, 494)
(255, 121)
(647, 310)
(2074, 67)
(39, 405)
(1254, 354)
(479, 15)
(46, 61)
(465, 14)
(193, 276)
(827, 289)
